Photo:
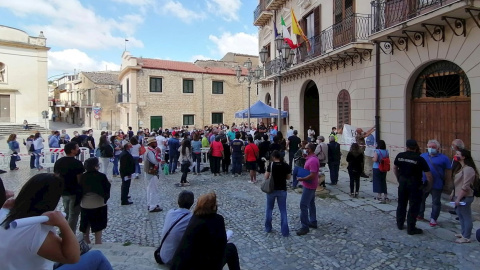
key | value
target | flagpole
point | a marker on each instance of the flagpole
(126, 40)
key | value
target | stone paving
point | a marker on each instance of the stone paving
(352, 234)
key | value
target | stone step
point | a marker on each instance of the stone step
(129, 257)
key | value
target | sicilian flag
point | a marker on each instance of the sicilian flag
(296, 29)
(286, 36)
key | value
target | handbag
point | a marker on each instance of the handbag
(153, 170)
(268, 185)
(156, 253)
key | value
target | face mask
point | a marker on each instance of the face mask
(305, 152)
(456, 158)
(432, 151)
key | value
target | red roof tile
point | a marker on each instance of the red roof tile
(186, 67)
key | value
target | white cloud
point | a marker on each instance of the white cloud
(73, 25)
(227, 9)
(236, 43)
(178, 10)
(70, 59)
(135, 2)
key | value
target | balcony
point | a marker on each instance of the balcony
(120, 98)
(342, 41)
(86, 103)
(261, 15)
(276, 4)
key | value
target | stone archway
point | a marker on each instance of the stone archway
(311, 108)
(440, 106)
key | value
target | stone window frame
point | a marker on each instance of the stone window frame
(150, 84)
(3, 72)
(188, 123)
(216, 90)
(188, 91)
(217, 113)
(344, 108)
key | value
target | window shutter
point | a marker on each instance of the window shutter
(316, 18)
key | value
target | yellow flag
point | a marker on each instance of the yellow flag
(296, 29)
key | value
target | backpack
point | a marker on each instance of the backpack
(384, 163)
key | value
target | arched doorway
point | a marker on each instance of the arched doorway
(311, 109)
(440, 106)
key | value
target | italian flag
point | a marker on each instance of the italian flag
(286, 36)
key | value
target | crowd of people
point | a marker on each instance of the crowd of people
(84, 187)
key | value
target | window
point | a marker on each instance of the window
(3, 71)
(217, 87)
(217, 118)
(188, 119)
(187, 86)
(128, 90)
(343, 108)
(89, 97)
(155, 84)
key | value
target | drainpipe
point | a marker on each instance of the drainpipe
(377, 91)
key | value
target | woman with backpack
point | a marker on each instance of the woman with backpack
(355, 161)
(380, 174)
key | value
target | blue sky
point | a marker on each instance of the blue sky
(89, 35)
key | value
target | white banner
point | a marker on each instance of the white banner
(348, 136)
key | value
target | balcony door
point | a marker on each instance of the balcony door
(343, 22)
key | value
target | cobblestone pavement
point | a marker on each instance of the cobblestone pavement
(352, 234)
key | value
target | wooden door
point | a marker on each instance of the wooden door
(344, 22)
(156, 122)
(443, 120)
(4, 108)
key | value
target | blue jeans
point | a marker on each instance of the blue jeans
(334, 168)
(237, 164)
(38, 155)
(172, 165)
(115, 165)
(308, 211)
(197, 157)
(294, 177)
(94, 259)
(137, 165)
(281, 196)
(436, 203)
(464, 213)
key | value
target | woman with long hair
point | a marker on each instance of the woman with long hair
(29, 145)
(135, 152)
(95, 190)
(282, 142)
(380, 178)
(38, 146)
(116, 143)
(462, 194)
(185, 160)
(355, 163)
(196, 152)
(13, 150)
(280, 172)
(106, 153)
(204, 243)
(38, 246)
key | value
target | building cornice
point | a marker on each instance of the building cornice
(23, 45)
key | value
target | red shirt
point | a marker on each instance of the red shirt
(251, 152)
(217, 148)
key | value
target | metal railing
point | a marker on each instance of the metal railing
(261, 7)
(387, 13)
(120, 98)
(352, 29)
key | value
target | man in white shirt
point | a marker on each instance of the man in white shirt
(290, 132)
(162, 143)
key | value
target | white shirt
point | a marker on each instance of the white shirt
(38, 143)
(161, 141)
(289, 133)
(135, 150)
(19, 247)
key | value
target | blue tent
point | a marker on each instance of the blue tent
(260, 110)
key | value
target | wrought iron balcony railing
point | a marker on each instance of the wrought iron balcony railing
(387, 13)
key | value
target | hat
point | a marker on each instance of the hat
(412, 143)
(151, 140)
(478, 235)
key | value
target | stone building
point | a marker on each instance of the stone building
(409, 68)
(88, 99)
(161, 93)
(23, 76)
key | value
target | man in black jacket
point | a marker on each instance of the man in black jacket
(127, 168)
(334, 156)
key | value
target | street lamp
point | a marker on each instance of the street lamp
(252, 75)
(280, 63)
